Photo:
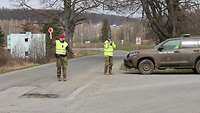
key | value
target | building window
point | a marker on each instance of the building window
(26, 53)
(26, 39)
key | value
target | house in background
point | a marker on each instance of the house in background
(27, 45)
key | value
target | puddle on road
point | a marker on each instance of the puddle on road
(38, 95)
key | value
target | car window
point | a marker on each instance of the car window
(171, 45)
(157, 46)
(189, 44)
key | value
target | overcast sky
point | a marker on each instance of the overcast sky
(11, 4)
(4, 3)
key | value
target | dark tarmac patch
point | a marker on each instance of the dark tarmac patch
(39, 95)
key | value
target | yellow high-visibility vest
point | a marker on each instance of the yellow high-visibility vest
(109, 48)
(61, 47)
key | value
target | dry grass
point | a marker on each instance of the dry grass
(90, 45)
(81, 53)
(4, 57)
(127, 46)
(7, 63)
(15, 65)
(131, 46)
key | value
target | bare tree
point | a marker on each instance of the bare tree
(28, 27)
(1, 38)
(72, 11)
(105, 30)
(38, 49)
(164, 16)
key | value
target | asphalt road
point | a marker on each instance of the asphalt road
(87, 90)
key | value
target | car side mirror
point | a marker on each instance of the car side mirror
(160, 48)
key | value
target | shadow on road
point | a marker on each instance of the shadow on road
(163, 72)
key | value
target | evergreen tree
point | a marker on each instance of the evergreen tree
(58, 29)
(105, 30)
(28, 27)
(1, 38)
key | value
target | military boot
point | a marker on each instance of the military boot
(105, 70)
(59, 78)
(64, 78)
(110, 70)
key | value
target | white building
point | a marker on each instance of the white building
(27, 45)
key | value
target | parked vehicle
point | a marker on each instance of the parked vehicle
(177, 53)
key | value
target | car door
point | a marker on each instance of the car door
(190, 51)
(161, 55)
(170, 54)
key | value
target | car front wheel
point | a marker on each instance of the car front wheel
(146, 66)
(197, 67)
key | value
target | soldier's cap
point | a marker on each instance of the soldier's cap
(62, 36)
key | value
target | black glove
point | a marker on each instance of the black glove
(56, 55)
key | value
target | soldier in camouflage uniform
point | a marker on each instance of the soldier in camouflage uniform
(109, 47)
(61, 57)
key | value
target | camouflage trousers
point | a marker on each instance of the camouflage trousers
(108, 64)
(61, 66)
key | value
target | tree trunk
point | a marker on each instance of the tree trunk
(172, 10)
(68, 26)
(69, 38)
(155, 25)
(67, 15)
(69, 35)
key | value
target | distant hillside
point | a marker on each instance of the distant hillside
(38, 15)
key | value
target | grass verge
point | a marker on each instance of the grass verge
(131, 46)
(83, 53)
(8, 68)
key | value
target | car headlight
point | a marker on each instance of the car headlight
(131, 54)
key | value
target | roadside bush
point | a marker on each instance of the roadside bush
(7, 59)
(4, 57)
(39, 60)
